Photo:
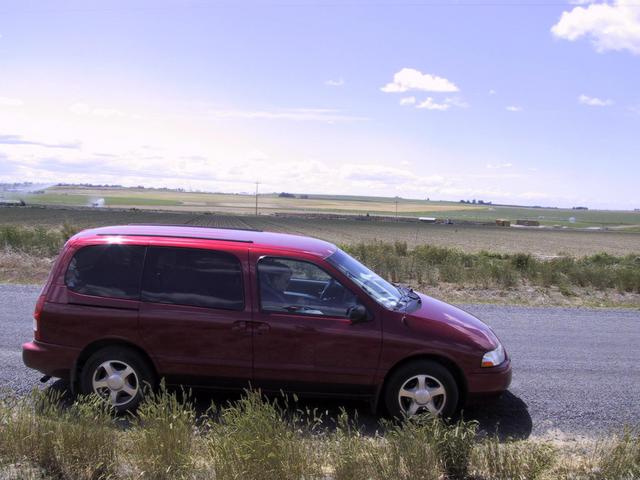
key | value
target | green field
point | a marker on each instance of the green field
(116, 197)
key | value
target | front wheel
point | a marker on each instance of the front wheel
(118, 375)
(422, 386)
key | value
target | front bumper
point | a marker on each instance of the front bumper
(50, 359)
(490, 381)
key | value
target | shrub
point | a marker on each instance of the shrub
(523, 262)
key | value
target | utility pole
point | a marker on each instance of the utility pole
(257, 183)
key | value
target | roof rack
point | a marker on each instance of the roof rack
(175, 236)
(247, 229)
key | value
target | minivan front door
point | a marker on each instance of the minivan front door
(303, 338)
(195, 312)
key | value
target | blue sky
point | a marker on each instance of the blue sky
(502, 101)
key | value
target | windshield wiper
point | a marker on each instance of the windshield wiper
(407, 292)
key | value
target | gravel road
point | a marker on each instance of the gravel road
(576, 371)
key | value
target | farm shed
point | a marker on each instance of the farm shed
(528, 223)
(503, 223)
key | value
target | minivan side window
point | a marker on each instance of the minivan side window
(106, 271)
(189, 276)
(302, 288)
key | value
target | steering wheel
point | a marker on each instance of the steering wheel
(327, 289)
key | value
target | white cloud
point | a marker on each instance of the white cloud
(334, 83)
(513, 108)
(594, 101)
(86, 109)
(411, 79)
(456, 102)
(495, 166)
(610, 26)
(10, 102)
(408, 101)
(374, 175)
(296, 114)
(430, 104)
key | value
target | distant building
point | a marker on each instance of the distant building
(528, 223)
(503, 223)
(427, 219)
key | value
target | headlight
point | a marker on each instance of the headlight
(494, 357)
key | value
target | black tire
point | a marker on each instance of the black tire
(118, 358)
(446, 404)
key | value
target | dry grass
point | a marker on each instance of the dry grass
(17, 267)
(258, 439)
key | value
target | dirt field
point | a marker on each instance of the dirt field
(468, 238)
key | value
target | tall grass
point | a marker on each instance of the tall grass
(428, 264)
(37, 240)
(77, 441)
(620, 457)
(259, 439)
(163, 436)
(517, 460)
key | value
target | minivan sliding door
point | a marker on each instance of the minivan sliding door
(194, 312)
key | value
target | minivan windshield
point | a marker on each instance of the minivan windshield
(377, 287)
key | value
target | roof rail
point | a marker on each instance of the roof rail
(175, 236)
(247, 229)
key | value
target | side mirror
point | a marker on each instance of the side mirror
(357, 314)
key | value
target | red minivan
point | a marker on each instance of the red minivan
(127, 305)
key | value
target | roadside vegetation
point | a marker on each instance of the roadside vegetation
(431, 265)
(274, 439)
(26, 254)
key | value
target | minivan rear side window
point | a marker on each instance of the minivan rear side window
(189, 276)
(106, 271)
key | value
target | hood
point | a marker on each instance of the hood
(453, 321)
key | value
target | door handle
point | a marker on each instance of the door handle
(262, 328)
(305, 328)
(239, 326)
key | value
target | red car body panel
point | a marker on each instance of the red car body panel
(280, 350)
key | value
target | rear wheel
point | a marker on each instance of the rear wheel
(118, 375)
(423, 386)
